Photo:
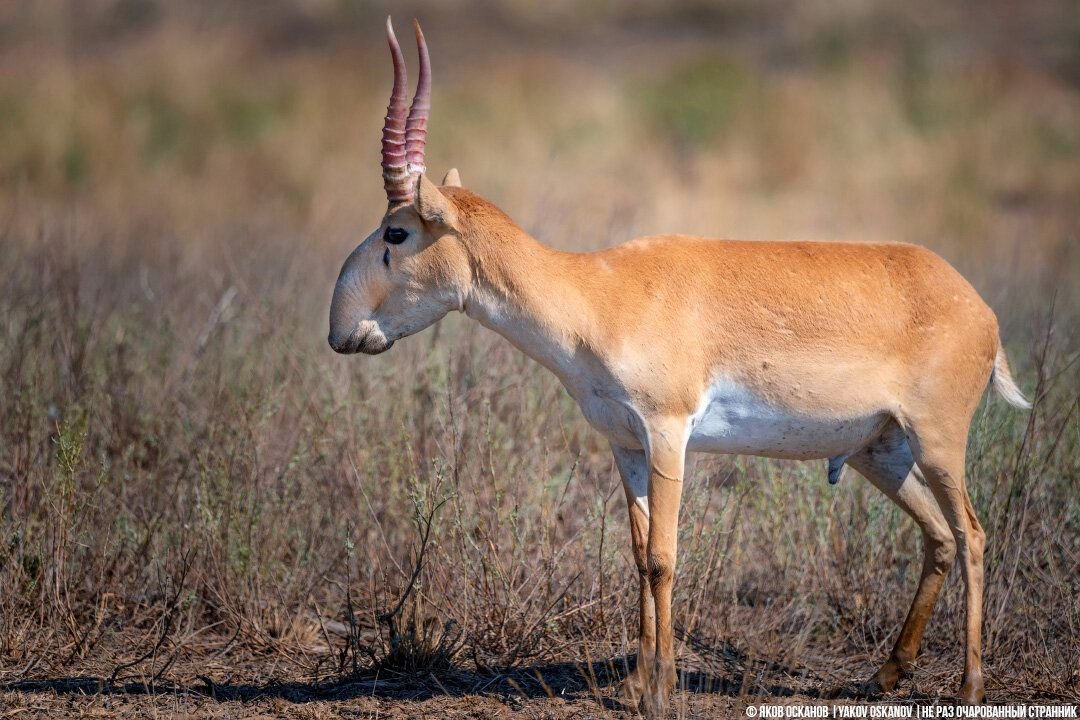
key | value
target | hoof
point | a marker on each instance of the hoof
(654, 703)
(658, 691)
(972, 692)
(885, 679)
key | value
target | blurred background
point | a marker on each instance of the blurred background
(944, 123)
(185, 465)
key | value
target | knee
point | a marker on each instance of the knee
(660, 569)
(941, 549)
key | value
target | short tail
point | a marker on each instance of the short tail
(1004, 383)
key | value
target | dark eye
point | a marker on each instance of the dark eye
(395, 236)
(386, 258)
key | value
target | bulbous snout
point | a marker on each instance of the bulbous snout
(347, 334)
(365, 337)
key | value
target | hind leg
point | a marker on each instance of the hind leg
(939, 451)
(888, 464)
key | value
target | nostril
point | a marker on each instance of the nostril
(346, 343)
(340, 343)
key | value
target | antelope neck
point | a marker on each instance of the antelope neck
(523, 290)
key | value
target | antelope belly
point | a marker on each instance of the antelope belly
(730, 419)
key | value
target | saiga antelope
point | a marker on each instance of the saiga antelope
(870, 355)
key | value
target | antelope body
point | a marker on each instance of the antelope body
(870, 355)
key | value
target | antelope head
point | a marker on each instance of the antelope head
(412, 269)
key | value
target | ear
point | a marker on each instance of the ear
(452, 178)
(434, 207)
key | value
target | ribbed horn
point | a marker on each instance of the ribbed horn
(416, 127)
(396, 177)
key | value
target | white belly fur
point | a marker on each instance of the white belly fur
(732, 420)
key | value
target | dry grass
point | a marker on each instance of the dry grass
(204, 511)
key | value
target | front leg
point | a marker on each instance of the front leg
(667, 452)
(634, 470)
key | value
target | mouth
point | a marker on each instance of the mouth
(369, 344)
